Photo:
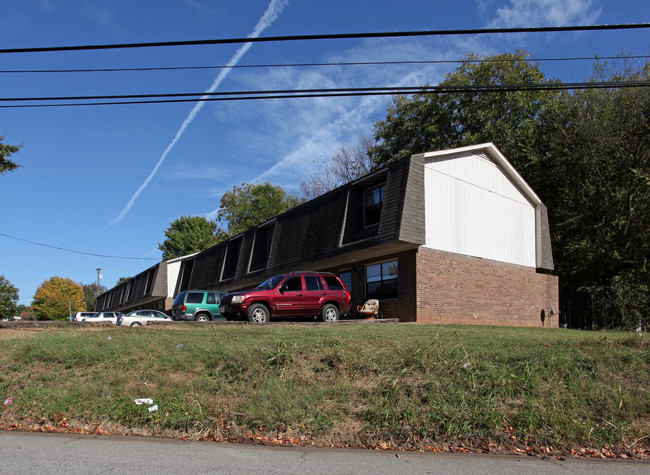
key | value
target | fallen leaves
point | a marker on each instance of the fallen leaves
(63, 426)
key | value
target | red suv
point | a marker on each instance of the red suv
(290, 295)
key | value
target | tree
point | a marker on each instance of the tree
(6, 151)
(8, 298)
(595, 164)
(121, 280)
(249, 205)
(426, 122)
(58, 298)
(91, 292)
(189, 234)
(345, 166)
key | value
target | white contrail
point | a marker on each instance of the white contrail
(362, 111)
(270, 15)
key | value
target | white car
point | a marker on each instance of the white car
(105, 317)
(141, 317)
(81, 316)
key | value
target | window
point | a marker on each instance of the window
(346, 277)
(187, 273)
(269, 241)
(372, 205)
(232, 257)
(332, 282)
(293, 284)
(148, 286)
(212, 298)
(381, 280)
(261, 248)
(194, 297)
(313, 282)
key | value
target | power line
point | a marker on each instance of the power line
(402, 34)
(312, 93)
(294, 65)
(77, 252)
(196, 95)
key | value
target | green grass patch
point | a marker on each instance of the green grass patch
(412, 386)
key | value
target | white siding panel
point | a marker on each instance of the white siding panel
(173, 270)
(473, 208)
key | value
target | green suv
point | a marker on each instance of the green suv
(197, 305)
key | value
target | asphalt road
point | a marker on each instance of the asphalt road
(27, 453)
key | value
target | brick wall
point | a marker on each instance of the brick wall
(453, 288)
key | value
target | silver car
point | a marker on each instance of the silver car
(142, 317)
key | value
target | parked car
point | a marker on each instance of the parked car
(142, 317)
(198, 305)
(81, 316)
(106, 317)
(290, 295)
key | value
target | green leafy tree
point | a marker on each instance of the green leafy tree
(91, 292)
(57, 298)
(426, 122)
(594, 175)
(8, 298)
(189, 234)
(121, 280)
(6, 151)
(249, 205)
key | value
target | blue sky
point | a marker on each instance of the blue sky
(109, 179)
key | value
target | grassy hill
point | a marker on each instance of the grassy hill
(406, 386)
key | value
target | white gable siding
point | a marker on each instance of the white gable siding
(473, 208)
(173, 272)
(173, 269)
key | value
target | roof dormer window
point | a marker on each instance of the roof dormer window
(373, 200)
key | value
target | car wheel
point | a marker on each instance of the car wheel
(202, 317)
(329, 313)
(136, 324)
(258, 313)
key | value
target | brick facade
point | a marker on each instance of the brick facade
(458, 289)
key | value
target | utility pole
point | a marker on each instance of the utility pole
(99, 276)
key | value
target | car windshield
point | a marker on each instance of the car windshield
(271, 283)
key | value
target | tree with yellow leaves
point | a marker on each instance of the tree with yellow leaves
(57, 299)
